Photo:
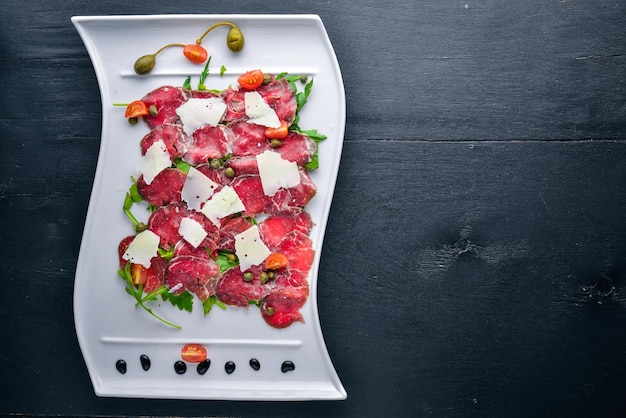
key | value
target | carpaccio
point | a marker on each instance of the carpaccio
(226, 153)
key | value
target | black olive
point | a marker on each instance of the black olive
(180, 367)
(287, 366)
(254, 363)
(120, 365)
(145, 362)
(229, 367)
(203, 366)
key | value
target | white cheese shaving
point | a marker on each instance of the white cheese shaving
(223, 203)
(155, 160)
(258, 111)
(250, 249)
(142, 248)
(198, 112)
(192, 231)
(275, 172)
(197, 189)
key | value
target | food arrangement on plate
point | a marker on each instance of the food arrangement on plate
(225, 178)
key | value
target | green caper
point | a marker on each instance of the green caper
(215, 163)
(229, 172)
(275, 143)
(153, 111)
(145, 64)
(248, 276)
(263, 277)
(266, 78)
(231, 257)
(270, 274)
(140, 227)
(304, 78)
(235, 39)
(133, 121)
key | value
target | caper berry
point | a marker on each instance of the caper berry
(154, 112)
(215, 163)
(235, 39)
(248, 276)
(275, 143)
(263, 277)
(133, 121)
(304, 78)
(145, 64)
(229, 172)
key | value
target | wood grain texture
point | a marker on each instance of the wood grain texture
(474, 262)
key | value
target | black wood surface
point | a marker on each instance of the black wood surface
(475, 260)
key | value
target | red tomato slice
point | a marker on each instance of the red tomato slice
(195, 53)
(193, 353)
(251, 80)
(278, 133)
(275, 261)
(136, 109)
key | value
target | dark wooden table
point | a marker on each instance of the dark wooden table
(475, 256)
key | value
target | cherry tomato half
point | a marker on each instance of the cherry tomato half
(278, 133)
(275, 261)
(251, 80)
(136, 109)
(195, 53)
(193, 353)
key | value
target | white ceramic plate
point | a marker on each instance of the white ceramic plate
(108, 325)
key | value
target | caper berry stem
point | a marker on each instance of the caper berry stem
(165, 47)
(217, 25)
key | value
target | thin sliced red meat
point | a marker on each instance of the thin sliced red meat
(297, 147)
(182, 247)
(166, 99)
(276, 227)
(281, 307)
(298, 248)
(197, 275)
(231, 227)
(250, 191)
(290, 278)
(209, 142)
(173, 136)
(234, 290)
(297, 196)
(166, 187)
(249, 139)
(202, 94)
(215, 174)
(281, 97)
(243, 165)
(235, 105)
(165, 222)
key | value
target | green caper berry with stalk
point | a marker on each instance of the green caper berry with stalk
(248, 276)
(153, 111)
(234, 38)
(229, 172)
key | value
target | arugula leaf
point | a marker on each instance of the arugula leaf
(181, 165)
(187, 83)
(132, 196)
(226, 260)
(210, 302)
(183, 301)
(222, 71)
(204, 75)
(137, 293)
